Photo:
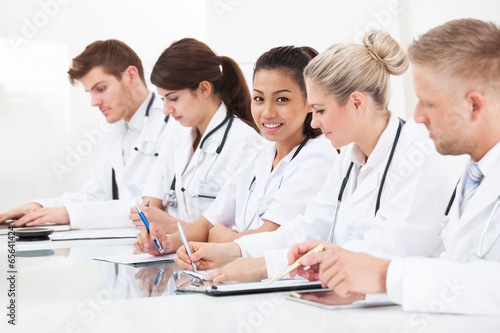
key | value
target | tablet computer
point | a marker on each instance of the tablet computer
(327, 299)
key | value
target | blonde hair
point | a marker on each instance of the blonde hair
(345, 68)
(465, 50)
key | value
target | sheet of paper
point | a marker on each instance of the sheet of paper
(95, 234)
(138, 258)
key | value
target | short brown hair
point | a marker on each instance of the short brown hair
(465, 50)
(112, 55)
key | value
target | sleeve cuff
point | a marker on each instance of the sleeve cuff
(243, 249)
(394, 280)
(276, 261)
(255, 245)
(209, 217)
(154, 192)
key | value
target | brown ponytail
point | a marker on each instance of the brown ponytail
(187, 62)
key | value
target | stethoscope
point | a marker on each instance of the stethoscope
(141, 150)
(346, 179)
(114, 185)
(252, 185)
(172, 195)
(479, 253)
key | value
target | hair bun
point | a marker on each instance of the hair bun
(383, 48)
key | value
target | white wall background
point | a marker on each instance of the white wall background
(43, 118)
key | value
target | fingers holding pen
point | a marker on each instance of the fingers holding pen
(201, 256)
(157, 232)
(183, 259)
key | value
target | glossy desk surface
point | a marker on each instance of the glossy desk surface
(61, 289)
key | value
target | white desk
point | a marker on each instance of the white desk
(69, 292)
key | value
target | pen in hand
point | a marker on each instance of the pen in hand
(186, 244)
(296, 264)
(146, 224)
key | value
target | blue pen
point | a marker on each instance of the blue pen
(186, 244)
(146, 224)
(157, 281)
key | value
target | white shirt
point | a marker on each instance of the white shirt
(459, 281)
(417, 178)
(202, 172)
(256, 194)
(92, 206)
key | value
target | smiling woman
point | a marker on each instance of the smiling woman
(277, 184)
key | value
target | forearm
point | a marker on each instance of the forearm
(153, 202)
(268, 226)
(169, 223)
(195, 232)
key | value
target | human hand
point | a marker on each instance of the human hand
(331, 298)
(153, 280)
(348, 273)
(57, 215)
(219, 233)
(240, 269)
(207, 255)
(19, 212)
(154, 215)
(145, 240)
(312, 261)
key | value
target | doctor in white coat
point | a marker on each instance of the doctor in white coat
(386, 171)
(460, 106)
(209, 94)
(277, 183)
(137, 135)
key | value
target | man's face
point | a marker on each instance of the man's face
(112, 96)
(444, 116)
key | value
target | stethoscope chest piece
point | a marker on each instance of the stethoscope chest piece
(171, 198)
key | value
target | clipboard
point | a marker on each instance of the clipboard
(188, 283)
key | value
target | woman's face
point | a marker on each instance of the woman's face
(183, 105)
(279, 107)
(335, 120)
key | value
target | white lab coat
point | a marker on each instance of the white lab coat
(92, 206)
(417, 178)
(279, 195)
(459, 281)
(203, 171)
